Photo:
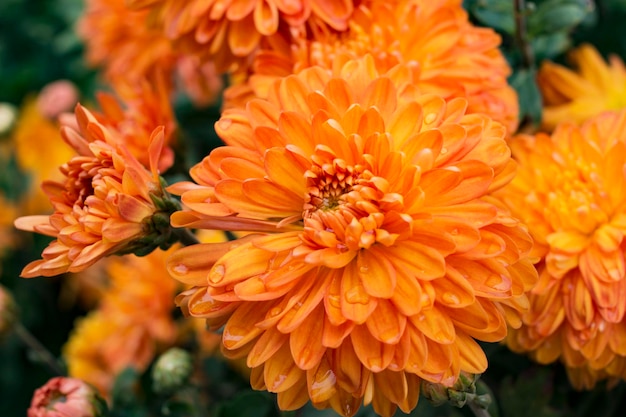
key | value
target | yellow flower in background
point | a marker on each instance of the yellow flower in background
(104, 205)
(378, 255)
(230, 32)
(132, 324)
(571, 192)
(455, 58)
(34, 131)
(576, 95)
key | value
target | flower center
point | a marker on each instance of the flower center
(327, 183)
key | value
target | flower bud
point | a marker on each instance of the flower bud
(66, 397)
(8, 117)
(171, 371)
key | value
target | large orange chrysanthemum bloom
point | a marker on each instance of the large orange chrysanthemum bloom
(106, 204)
(229, 32)
(577, 96)
(456, 59)
(125, 43)
(571, 192)
(133, 323)
(379, 256)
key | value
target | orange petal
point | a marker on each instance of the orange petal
(385, 323)
(306, 340)
(374, 355)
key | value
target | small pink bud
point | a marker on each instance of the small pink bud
(66, 397)
(56, 98)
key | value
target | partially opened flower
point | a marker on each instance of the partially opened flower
(570, 191)
(229, 32)
(132, 324)
(66, 397)
(456, 58)
(576, 95)
(107, 203)
(378, 255)
(130, 49)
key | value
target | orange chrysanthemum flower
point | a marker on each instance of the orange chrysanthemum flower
(379, 256)
(132, 324)
(456, 59)
(107, 203)
(571, 192)
(577, 96)
(124, 42)
(229, 32)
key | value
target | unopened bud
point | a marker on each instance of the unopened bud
(66, 397)
(171, 371)
(8, 117)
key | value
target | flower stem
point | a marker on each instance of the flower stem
(521, 35)
(478, 410)
(185, 236)
(42, 353)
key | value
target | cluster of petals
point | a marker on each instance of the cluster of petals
(102, 203)
(130, 326)
(376, 256)
(135, 114)
(131, 50)
(571, 192)
(230, 32)
(594, 87)
(456, 58)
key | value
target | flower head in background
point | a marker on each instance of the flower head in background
(130, 50)
(130, 326)
(455, 58)
(141, 109)
(571, 192)
(578, 95)
(378, 255)
(56, 98)
(107, 203)
(66, 397)
(231, 32)
(8, 312)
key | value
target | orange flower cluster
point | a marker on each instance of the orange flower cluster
(230, 32)
(577, 96)
(455, 58)
(132, 51)
(570, 190)
(378, 255)
(133, 322)
(107, 203)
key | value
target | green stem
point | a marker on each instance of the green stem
(185, 236)
(477, 410)
(521, 35)
(42, 353)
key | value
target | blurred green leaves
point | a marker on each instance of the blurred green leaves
(532, 32)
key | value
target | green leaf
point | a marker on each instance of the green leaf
(557, 16)
(497, 14)
(550, 46)
(529, 96)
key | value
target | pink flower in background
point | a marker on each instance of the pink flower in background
(66, 397)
